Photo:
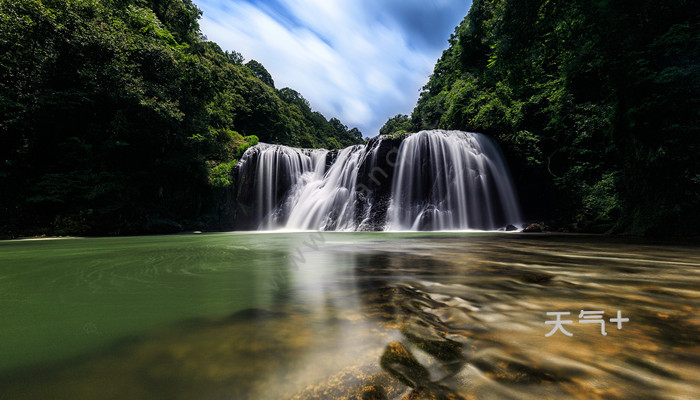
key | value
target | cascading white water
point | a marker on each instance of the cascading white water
(326, 201)
(276, 169)
(451, 180)
(442, 180)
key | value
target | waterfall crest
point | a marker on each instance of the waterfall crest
(432, 180)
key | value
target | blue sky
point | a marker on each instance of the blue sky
(361, 61)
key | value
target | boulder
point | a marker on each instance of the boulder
(533, 228)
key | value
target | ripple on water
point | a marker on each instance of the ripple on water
(436, 318)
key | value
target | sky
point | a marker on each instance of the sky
(361, 61)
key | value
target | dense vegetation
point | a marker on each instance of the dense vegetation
(596, 103)
(118, 116)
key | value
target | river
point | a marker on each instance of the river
(332, 315)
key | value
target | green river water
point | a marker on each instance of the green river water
(313, 315)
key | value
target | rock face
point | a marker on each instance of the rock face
(374, 180)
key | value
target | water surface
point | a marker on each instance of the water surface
(343, 315)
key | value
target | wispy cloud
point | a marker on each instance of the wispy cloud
(361, 61)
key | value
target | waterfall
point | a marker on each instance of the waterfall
(449, 180)
(432, 180)
(326, 201)
(269, 172)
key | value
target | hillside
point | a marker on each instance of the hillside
(596, 104)
(119, 117)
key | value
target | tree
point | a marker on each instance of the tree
(234, 57)
(591, 100)
(354, 132)
(398, 124)
(260, 72)
(86, 85)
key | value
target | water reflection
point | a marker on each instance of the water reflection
(423, 317)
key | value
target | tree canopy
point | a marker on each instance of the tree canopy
(117, 116)
(596, 103)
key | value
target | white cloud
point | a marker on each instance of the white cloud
(358, 61)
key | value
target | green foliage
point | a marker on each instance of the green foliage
(398, 124)
(313, 128)
(398, 135)
(117, 113)
(234, 57)
(249, 141)
(220, 175)
(260, 72)
(600, 205)
(595, 102)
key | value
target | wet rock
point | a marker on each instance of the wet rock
(354, 383)
(510, 228)
(374, 181)
(435, 392)
(330, 159)
(510, 371)
(401, 364)
(428, 339)
(537, 277)
(374, 393)
(533, 228)
(427, 220)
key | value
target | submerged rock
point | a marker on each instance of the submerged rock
(401, 364)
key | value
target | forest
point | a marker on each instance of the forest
(119, 117)
(595, 102)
